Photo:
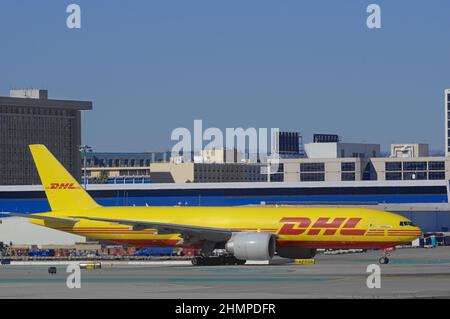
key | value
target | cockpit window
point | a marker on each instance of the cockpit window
(406, 223)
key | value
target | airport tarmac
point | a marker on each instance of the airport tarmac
(412, 273)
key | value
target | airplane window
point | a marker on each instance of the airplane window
(406, 223)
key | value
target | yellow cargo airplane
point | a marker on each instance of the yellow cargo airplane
(244, 233)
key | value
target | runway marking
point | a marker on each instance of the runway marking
(160, 280)
(419, 261)
(252, 270)
(408, 261)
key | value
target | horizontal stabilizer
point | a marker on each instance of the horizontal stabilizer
(47, 218)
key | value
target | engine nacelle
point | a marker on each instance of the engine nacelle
(251, 246)
(296, 252)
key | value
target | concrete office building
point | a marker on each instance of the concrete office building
(29, 117)
(187, 172)
(234, 172)
(341, 150)
(406, 162)
(324, 169)
(219, 156)
(373, 169)
(418, 168)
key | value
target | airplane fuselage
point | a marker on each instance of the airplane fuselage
(316, 227)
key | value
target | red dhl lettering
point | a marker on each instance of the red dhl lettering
(294, 225)
(62, 186)
(329, 226)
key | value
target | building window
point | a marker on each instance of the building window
(436, 175)
(415, 166)
(348, 166)
(312, 177)
(393, 166)
(348, 176)
(407, 176)
(436, 166)
(312, 167)
(393, 176)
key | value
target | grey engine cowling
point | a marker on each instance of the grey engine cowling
(251, 246)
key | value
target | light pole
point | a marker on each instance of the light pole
(84, 149)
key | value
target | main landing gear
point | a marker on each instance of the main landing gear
(216, 261)
(207, 258)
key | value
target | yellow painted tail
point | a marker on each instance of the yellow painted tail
(62, 190)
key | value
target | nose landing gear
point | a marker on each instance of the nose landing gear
(384, 259)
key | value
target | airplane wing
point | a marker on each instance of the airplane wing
(190, 234)
(48, 218)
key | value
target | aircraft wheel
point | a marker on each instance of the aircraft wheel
(383, 260)
(197, 261)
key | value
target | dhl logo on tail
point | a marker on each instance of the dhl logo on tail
(62, 186)
(304, 225)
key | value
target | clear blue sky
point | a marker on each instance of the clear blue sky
(311, 66)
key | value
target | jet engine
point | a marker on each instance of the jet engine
(296, 252)
(251, 246)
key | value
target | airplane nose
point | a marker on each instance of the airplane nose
(418, 232)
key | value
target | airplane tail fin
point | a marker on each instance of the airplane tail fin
(62, 190)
